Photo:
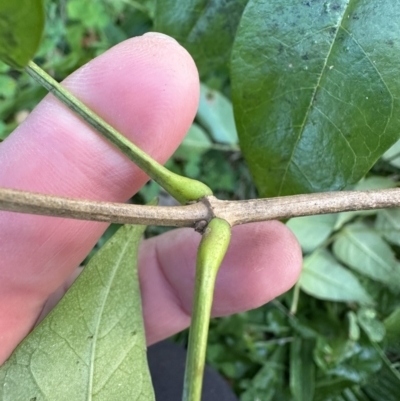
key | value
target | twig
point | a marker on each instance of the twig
(33, 203)
(285, 207)
(234, 212)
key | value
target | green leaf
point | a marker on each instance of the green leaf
(206, 28)
(312, 231)
(92, 345)
(392, 155)
(366, 252)
(375, 182)
(21, 27)
(316, 99)
(91, 13)
(215, 113)
(388, 224)
(348, 393)
(324, 278)
(374, 329)
(354, 328)
(196, 141)
(268, 379)
(195, 144)
(351, 393)
(370, 183)
(392, 326)
(8, 86)
(352, 361)
(302, 369)
(354, 394)
(385, 385)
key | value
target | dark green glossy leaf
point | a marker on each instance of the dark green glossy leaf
(205, 28)
(21, 27)
(316, 91)
(92, 345)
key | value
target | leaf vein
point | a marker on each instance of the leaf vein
(379, 74)
(96, 333)
(340, 131)
(310, 104)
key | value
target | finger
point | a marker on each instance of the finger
(263, 261)
(56, 296)
(147, 88)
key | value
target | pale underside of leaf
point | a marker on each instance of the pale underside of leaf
(92, 346)
(312, 231)
(388, 225)
(324, 278)
(366, 252)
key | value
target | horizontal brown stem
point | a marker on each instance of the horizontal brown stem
(235, 212)
(241, 212)
(33, 203)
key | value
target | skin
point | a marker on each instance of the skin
(148, 88)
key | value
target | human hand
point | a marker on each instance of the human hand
(147, 88)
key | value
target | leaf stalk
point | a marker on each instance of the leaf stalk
(212, 249)
(181, 188)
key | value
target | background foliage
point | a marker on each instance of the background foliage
(335, 336)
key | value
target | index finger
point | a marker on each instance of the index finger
(147, 88)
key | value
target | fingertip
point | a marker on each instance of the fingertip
(148, 86)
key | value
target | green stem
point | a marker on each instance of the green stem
(182, 188)
(295, 300)
(211, 252)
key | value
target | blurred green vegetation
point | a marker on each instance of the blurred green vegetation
(336, 335)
